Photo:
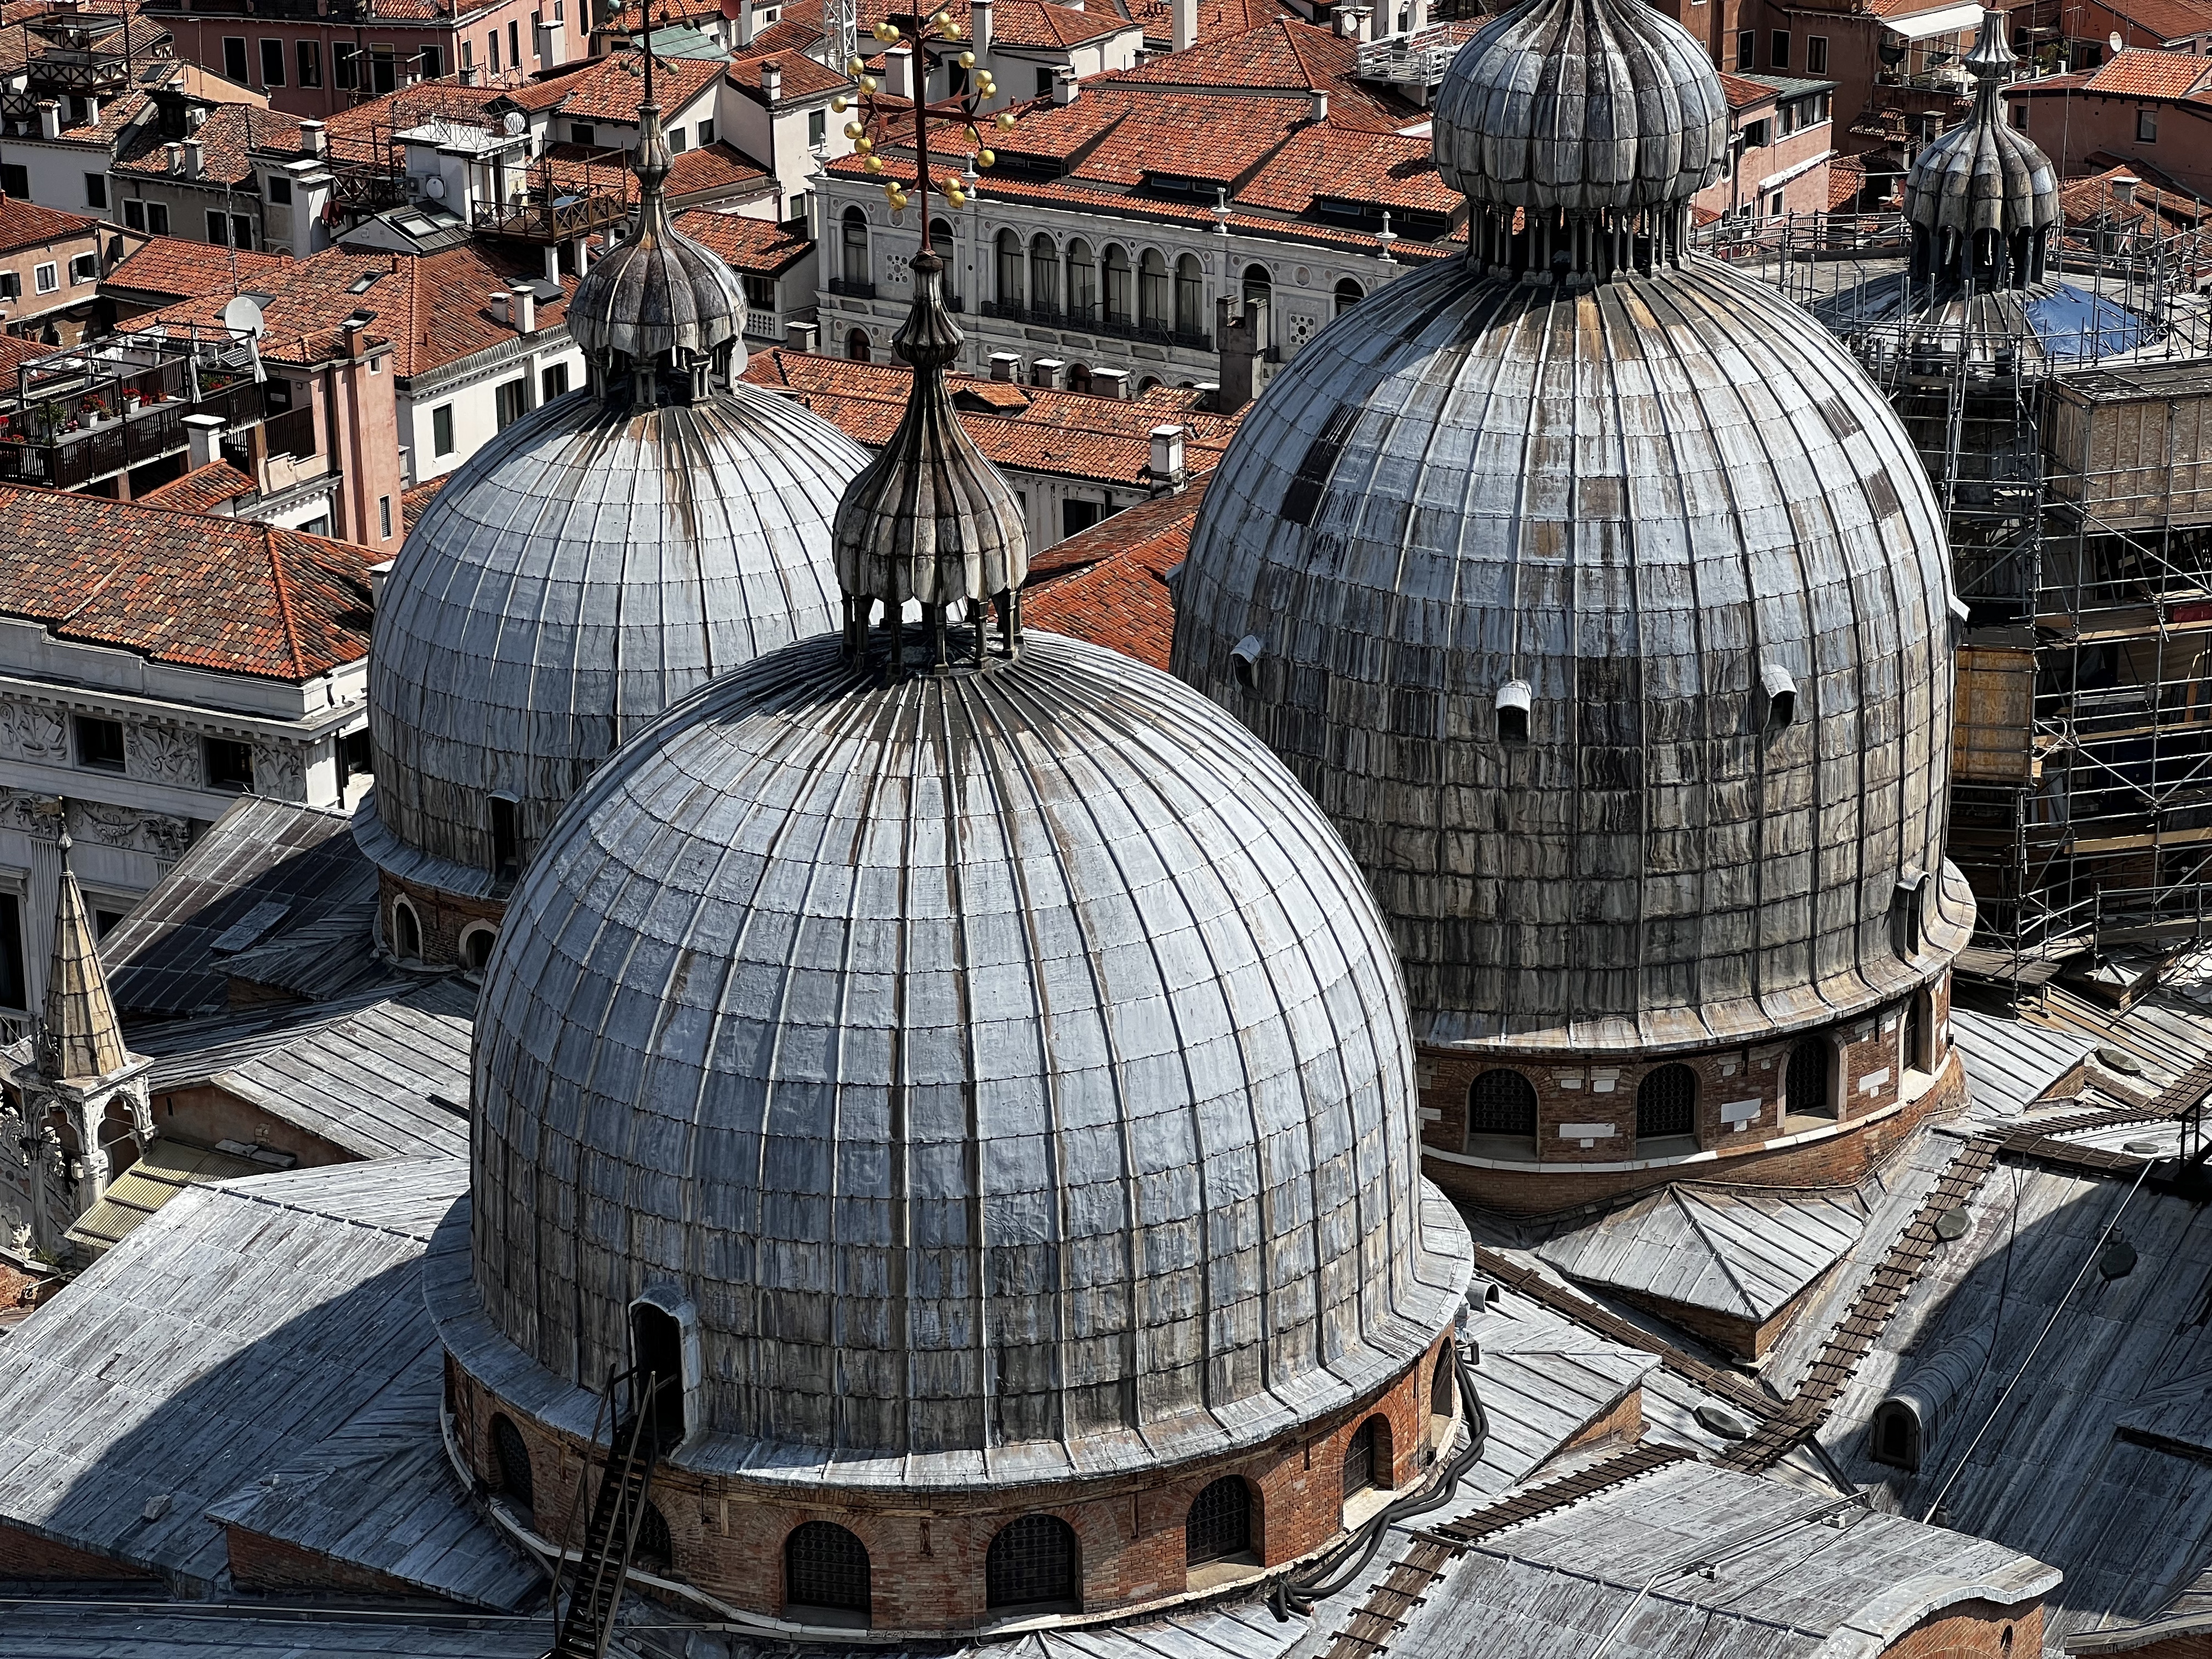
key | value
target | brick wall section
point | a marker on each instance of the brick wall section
(27, 1555)
(1623, 1422)
(1867, 1066)
(205, 1116)
(926, 1551)
(261, 1563)
(1974, 1630)
(444, 918)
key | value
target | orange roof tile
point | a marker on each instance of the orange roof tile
(1744, 93)
(755, 247)
(415, 501)
(228, 136)
(1071, 434)
(610, 88)
(168, 267)
(2149, 75)
(802, 76)
(26, 224)
(202, 489)
(1281, 55)
(2166, 19)
(1108, 584)
(225, 594)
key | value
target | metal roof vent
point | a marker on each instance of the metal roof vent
(1513, 711)
(1952, 1224)
(1720, 1420)
(1781, 696)
(1244, 661)
(2117, 1260)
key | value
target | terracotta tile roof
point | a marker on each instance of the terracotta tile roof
(2165, 20)
(227, 138)
(225, 594)
(1846, 178)
(2149, 75)
(1328, 161)
(433, 307)
(355, 133)
(1216, 18)
(1070, 434)
(1037, 24)
(754, 246)
(14, 351)
(666, 14)
(802, 76)
(1108, 584)
(415, 501)
(1743, 94)
(1281, 55)
(202, 489)
(26, 224)
(2092, 201)
(168, 267)
(611, 87)
(710, 174)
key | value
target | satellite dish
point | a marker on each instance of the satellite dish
(2117, 42)
(434, 188)
(242, 315)
(513, 124)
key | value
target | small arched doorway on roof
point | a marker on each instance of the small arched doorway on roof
(1257, 291)
(856, 345)
(854, 266)
(1348, 295)
(656, 1350)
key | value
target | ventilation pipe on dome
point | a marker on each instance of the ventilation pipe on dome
(1513, 700)
(1781, 691)
(1244, 661)
(1909, 905)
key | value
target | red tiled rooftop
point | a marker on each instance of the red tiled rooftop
(415, 501)
(1742, 93)
(611, 88)
(2166, 19)
(1282, 55)
(26, 224)
(2149, 75)
(202, 489)
(1108, 584)
(224, 594)
(230, 133)
(754, 246)
(171, 268)
(1069, 433)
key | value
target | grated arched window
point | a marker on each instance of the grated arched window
(1807, 1081)
(824, 1565)
(1220, 1522)
(1667, 1102)
(510, 1456)
(1031, 1561)
(1501, 1102)
(1367, 1457)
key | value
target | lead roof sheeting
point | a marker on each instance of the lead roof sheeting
(1542, 1379)
(581, 572)
(1633, 496)
(81, 1631)
(1552, 1588)
(1743, 1252)
(161, 961)
(2130, 1524)
(1050, 971)
(245, 1323)
(2010, 1063)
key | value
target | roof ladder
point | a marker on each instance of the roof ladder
(617, 1513)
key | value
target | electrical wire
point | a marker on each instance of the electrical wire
(2087, 1262)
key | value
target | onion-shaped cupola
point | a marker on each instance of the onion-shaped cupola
(660, 317)
(1578, 130)
(600, 559)
(930, 522)
(1983, 199)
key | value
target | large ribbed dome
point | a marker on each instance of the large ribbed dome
(1007, 1060)
(588, 568)
(1671, 528)
(1600, 106)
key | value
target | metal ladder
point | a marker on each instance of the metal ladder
(618, 1511)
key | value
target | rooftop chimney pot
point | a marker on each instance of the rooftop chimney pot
(1064, 86)
(979, 26)
(499, 306)
(803, 336)
(1006, 365)
(1182, 30)
(772, 80)
(314, 139)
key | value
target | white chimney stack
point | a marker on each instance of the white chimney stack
(1046, 372)
(1167, 456)
(746, 27)
(1317, 108)
(526, 311)
(1064, 87)
(314, 139)
(1184, 24)
(979, 24)
(553, 263)
(499, 307)
(803, 336)
(92, 111)
(50, 118)
(1111, 383)
(203, 438)
(772, 80)
(195, 157)
(2124, 189)
(898, 71)
(1417, 16)
(1006, 365)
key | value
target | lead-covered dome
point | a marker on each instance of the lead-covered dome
(1609, 619)
(1983, 198)
(596, 562)
(1597, 106)
(1008, 1060)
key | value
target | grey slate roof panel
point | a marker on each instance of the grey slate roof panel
(2052, 1473)
(1746, 1252)
(78, 1631)
(166, 959)
(269, 1324)
(1042, 990)
(2012, 1062)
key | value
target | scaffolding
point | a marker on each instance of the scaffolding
(2067, 429)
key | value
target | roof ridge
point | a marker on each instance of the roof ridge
(1745, 1305)
(284, 599)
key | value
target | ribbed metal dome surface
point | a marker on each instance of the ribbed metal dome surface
(1639, 501)
(585, 569)
(1586, 106)
(658, 293)
(1008, 1062)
